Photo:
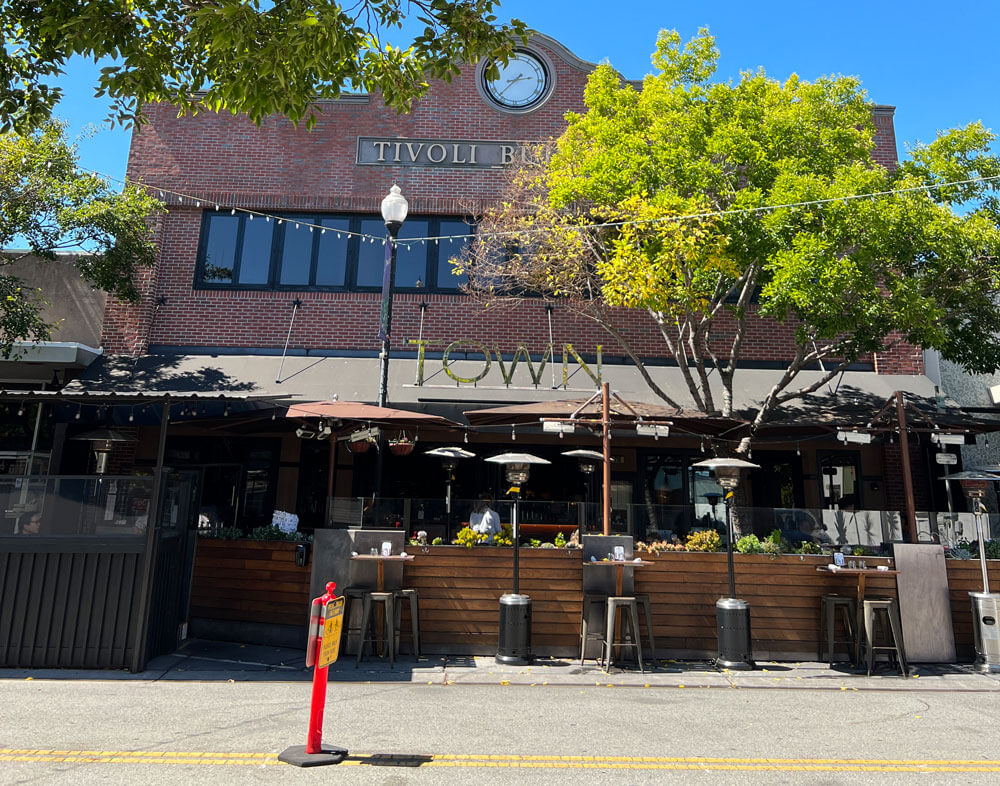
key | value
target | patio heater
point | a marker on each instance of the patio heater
(449, 459)
(514, 647)
(587, 461)
(732, 615)
(102, 443)
(985, 604)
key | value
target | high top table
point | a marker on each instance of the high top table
(619, 565)
(380, 561)
(862, 574)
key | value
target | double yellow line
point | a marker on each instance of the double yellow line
(513, 761)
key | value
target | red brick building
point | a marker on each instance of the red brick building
(268, 287)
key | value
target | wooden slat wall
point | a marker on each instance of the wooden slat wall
(460, 590)
(249, 581)
(965, 576)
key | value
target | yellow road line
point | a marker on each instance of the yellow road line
(514, 761)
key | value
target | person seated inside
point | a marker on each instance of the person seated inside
(33, 525)
(484, 519)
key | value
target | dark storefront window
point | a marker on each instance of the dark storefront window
(294, 252)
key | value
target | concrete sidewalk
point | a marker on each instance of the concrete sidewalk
(213, 661)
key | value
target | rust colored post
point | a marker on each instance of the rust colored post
(606, 449)
(904, 446)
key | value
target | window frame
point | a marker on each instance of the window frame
(432, 256)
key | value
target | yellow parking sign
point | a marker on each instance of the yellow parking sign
(332, 625)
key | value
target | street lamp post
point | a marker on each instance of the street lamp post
(514, 646)
(732, 614)
(394, 208)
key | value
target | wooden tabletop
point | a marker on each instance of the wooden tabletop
(835, 569)
(623, 563)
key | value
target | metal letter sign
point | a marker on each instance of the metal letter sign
(330, 649)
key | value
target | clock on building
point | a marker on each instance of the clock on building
(522, 84)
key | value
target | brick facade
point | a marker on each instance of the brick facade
(224, 160)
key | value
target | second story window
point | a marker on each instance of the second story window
(237, 252)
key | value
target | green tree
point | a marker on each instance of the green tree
(663, 199)
(47, 203)
(253, 57)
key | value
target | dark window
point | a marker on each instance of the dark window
(255, 255)
(310, 251)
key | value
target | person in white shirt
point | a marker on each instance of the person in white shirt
(484, 519)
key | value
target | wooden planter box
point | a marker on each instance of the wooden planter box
(249, 590)
(250, 584)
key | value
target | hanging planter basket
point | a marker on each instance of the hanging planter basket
(401, 448)
(361, 446)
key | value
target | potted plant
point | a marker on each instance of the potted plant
(403, 446)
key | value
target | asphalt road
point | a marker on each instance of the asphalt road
(155, 731)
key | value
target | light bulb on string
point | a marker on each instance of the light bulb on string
(798, 450)
(513, 434)
(232, 212)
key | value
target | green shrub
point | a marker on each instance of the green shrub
(749, 544)
(560, 540)
(437, 542)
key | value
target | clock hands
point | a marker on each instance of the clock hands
(511, 82)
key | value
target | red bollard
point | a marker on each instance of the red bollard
(314, 753)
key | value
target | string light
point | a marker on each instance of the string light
(926, 188)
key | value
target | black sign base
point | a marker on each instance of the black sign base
(297, 755)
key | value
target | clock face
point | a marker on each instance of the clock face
(522, 83)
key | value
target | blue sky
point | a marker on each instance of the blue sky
(939, 68)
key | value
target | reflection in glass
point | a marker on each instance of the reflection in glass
(448, 249)
(331, 261)
(296, 253)
(220, 248)
(255, 259)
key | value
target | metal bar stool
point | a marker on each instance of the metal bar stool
(590, 599)
(351, 594)
(829, 604)
(646, 607)
(631, 618)
(411, 595)
(387, 599)
(884, 611)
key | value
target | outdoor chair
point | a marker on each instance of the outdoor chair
(884, 613)
(412, 596)
(829, 605)
(369, 634)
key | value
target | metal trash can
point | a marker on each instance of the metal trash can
(733, 628)
(986, 627)
(515, 630)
